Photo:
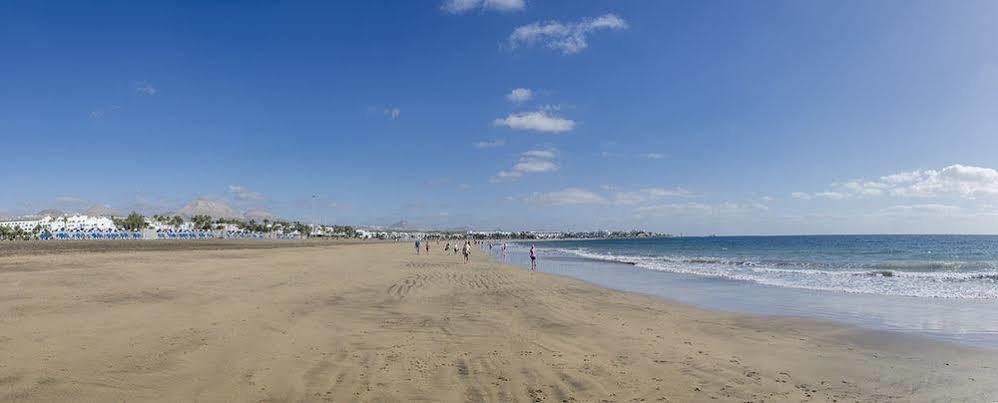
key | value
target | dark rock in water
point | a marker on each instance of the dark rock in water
(882, 273)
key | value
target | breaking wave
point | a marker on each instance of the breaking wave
(933, 279)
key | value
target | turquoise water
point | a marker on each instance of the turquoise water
(939, 285)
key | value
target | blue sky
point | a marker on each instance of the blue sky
(728, 117)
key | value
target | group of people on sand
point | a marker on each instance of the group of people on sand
(465, 250)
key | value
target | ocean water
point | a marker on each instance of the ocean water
(938, 285)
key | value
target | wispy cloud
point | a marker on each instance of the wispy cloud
(533, 161)
(564, 197)
(242, 194)
(101, 113)
(464, 6)
(535, 166)
(507, 175)
(490, 144)
(539, 154)
(933, 210)
(697, 209)
(537, 121)
(820, 195)
(392, 112)
(650, 156)
(520, 95)
(145, 89)
(648, 195)
(568, 38)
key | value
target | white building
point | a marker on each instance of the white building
(25, 223)
(162, 226)
(79, 223)
(64, 223)
(368, 234)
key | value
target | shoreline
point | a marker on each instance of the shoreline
(967, 320)
(376, 322)
(862, 332)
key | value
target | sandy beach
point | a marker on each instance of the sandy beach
(270, 321)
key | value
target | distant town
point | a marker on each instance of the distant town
(206, 219)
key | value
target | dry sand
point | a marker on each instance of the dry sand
(374, 322)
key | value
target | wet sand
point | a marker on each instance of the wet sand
(270, 321)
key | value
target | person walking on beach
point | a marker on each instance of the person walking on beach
(427, 248)
(417, 247)
(533, 259)
(466, 251)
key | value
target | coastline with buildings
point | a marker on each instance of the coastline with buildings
(205, 219)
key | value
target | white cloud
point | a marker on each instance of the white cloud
(831, 195)
(654, 156)
(697, 209)
(145, 89)
(569, 196)
(964, 181)
(490, 144)
(659, 192)
(242, 194)
(539, 121)
(393, 112)
(507, 175)
(460, 6)
(504, 5)
(568, 38)
(819, 195)
(647, 195)
(520, 95)
(535, 166)
(864, 188)
(920, 210)
(960, 181)
(464, 6)
(539, 154)
(533, 161)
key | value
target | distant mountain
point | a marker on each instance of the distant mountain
(258, 215)
(102, 210)
(51, 212)
(212, 208)
(401, 225)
